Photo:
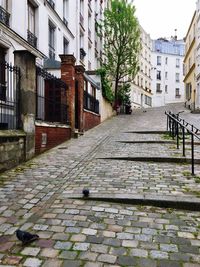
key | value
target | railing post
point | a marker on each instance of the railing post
(183, 132)
(192, 152)
(177, 136)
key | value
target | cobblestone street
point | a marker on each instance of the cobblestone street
(44, 196)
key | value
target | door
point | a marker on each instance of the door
(76, 106)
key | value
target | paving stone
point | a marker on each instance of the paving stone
(32, 262)
(30, 251)
(124, 236)
(71, 263)
(94, 239)
(156, 254)
(63, 245)
(12, 260)
(139, 253)
(118, 251)
(107, 258)
(146, 262)
(99, 248)
(52, 263)
(70, 255)
(93, 264)
(43, 243)
(90, 256)
(88, 231)
(130, 243)
(78, 238)
(167, 263)
(60, 236)
(169, 247)
(126, 261)
(49, 253)
(81, 246)
(112, 242)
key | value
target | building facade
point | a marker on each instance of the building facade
(141, 94)
(49, 51)
(197, 41)
(167, 71)
(190, 65)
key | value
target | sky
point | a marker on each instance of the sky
(160, 18)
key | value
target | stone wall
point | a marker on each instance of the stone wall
(106, 110)
(12, 149)
(48, 136)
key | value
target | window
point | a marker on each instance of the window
(82, 12)
(31, 18)
(147, 100)
(177, 92)
(51, 40)
(166, 75)
(158, 90)
(158, 76)
(158, 60)
(177, 77)
(177, 63)
(4, 4)
(142, 82)
(166, 89)
(65, 11)
(166, 60)
(65, 46)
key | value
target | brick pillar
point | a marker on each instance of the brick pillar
(79, 70)
(26, 62)
(68, 76)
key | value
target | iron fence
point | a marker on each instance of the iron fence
(51, 98)
(178, 128)
(90, 103)
(9, 96)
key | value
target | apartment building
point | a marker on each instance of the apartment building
(167, 71)
(141, 94)
(197, 41)
(49, 51)
(190, 65)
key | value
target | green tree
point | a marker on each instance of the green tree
(121, 33)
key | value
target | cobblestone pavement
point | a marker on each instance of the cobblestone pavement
(37, 197)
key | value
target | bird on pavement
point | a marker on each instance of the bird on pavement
(86, 192)
(26, 237)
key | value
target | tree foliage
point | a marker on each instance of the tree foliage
(121, 33)
(106, 86)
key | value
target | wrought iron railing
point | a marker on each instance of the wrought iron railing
(178, 128)
(9, 97)
(32, 39)
(4, 16)
(51, 99)
(90, 103)
(52, 3)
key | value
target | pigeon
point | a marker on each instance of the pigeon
(86, 192)
(26, 237)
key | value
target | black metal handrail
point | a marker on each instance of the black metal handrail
(177, 127)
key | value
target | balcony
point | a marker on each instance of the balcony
(32, 39)
(82, 53)
(4, 16)
(89, 33)
(51, 3)
(51, 52)
(81, 19)
(65, 22)
(158, 91)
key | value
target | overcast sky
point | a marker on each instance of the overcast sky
(159, 18)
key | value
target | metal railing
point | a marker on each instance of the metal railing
(178, 128)
(32, 39)
(4, 16)
(90, 103)
(51, 98)
(9, 97)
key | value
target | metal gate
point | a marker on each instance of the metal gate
(9, 96)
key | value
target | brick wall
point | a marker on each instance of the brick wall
(90, 120)
(47, 137)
